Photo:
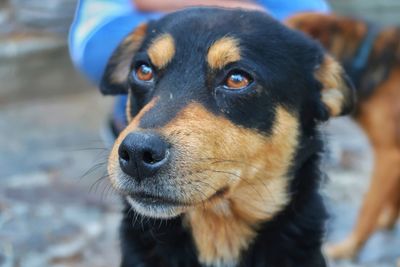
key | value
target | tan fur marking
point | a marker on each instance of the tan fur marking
(113, 162)
(333, 93)
(214, 154)
(128, 106)
(333, 99)
(162, 50)
(128, 47)
(223, 52)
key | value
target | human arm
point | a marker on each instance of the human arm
(171, 5)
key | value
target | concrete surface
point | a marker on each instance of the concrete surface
(53, 212)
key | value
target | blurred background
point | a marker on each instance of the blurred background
(55, 210)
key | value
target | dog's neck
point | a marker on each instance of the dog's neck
(220, 234)
(224, 228)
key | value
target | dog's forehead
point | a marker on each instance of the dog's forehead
(201, 27)
(189, 34)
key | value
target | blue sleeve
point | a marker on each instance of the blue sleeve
(281, 9)
(98, 28)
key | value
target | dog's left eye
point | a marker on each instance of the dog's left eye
(237, 80)
(144, 73)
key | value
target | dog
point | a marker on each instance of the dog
(371, 56)
(220, 162)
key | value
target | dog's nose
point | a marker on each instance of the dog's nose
(141, 155)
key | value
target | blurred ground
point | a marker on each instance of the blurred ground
(349, 164)
(52, 214)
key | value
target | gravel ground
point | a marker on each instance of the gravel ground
(55, 212)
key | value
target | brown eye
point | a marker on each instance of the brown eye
(237, 80)
(144, 73)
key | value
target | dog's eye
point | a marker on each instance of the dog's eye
(144, 73)
(237, 80)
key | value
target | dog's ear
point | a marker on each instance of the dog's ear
(115, 76)
(337, 93)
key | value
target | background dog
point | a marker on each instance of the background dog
(371, 56)
(220, 161)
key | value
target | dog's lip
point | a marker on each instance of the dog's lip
(150, 199)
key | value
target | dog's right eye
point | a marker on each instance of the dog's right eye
(237, 80)
(144, 72)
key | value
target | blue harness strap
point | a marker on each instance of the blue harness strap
(360, 61)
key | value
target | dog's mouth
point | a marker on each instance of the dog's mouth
(156, 206)
(165, 207)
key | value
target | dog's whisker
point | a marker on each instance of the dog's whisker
(92, 169)
(96, 184)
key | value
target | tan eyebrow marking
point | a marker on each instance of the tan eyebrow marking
(223, 52)
(162, 50)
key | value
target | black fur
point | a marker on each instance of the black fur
(282, 63)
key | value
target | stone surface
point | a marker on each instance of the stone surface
(36, 66)
(50, 215)
(43, 15)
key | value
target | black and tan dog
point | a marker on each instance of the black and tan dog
(219, 165)
(371, 56)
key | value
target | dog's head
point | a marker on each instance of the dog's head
(220, 102)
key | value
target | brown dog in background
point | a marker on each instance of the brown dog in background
(371, 56)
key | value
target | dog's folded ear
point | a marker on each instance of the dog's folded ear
(337, 91)
(115, 76)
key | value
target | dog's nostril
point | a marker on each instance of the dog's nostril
(123, 154)
(150, 157)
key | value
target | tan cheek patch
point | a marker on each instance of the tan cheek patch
(224, 51)
(162, 50)
(122, 60)
(253, 168)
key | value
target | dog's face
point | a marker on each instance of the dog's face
(219, 104)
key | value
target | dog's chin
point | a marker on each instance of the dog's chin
(156, 209)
